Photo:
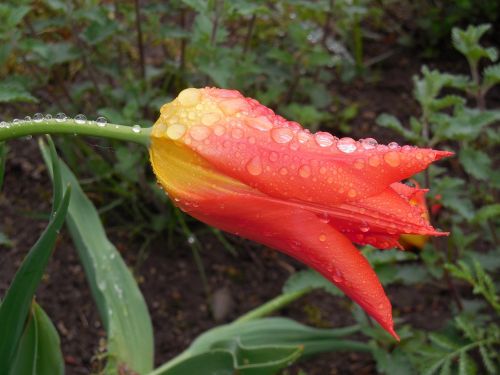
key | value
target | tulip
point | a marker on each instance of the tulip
(234, 164)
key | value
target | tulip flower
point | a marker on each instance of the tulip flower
(234, 164)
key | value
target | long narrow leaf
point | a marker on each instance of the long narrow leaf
(119, 300)
(3, 158)
(39, 350)
(17, 301)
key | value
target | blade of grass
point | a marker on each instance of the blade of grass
(17, 301)
(121, 305)
(3, 158)
(39, 350)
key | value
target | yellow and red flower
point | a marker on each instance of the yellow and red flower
(233, 163)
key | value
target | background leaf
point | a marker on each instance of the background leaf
(121, 304)
(39, 351)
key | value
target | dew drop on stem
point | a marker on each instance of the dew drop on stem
(38, 117)
(101, 121)
(136, 128)
(60, 117)
(80, 119)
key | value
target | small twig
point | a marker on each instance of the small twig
(248, 37)
(140, 44)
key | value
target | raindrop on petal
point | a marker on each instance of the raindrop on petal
(393, 145)
(282, 135)
(346, 145)
(199, 132)
(176, 131)
(368, 143)
(305, 171)
(323, 139)
(254, 166)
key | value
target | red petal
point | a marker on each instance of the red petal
(302, 235)
(247, 141)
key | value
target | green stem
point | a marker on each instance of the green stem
(273, 305)
(91, 128)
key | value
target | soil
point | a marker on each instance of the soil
(169, 278)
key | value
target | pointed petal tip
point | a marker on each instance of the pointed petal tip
(394, 334)
(443, 154)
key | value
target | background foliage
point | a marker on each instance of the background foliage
(123, 60)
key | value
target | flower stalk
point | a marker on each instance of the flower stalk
(136, 134)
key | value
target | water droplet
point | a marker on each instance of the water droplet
(136, 128)
(368, 143)
(303, 136)
(60, 117)
(337, 276)
(176, 131)
(323, 139)
(305, 171)
(189, 97)
(392, 158)
(16, 121)
(237, 133)
(352, 193)
(38, 117)
(3, 124)
(282, 135)
(254, 166)
(101, 285)
(101, 121)
(283, 171)
(347, 145)
(210, 119)
(219, 130)
(374, 161)
(324, 217)
(322, 237)
(48, 117)
(261, 123)
(359, 164)
(273, 156)
(364, 227)
(393, 145)
(80, 119)
(191, 239)
(27, 118)
(199, 132)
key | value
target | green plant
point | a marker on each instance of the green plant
(469, 194)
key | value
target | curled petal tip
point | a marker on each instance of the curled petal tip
(393, 333)
(443, 154)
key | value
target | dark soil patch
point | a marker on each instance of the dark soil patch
(169, 278)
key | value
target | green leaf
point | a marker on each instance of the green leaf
(487, 212)
(261, 336)
(475, 162)
(491, 75)
(4, 240)
(39, 350)
(17, 301)
(488, 363)
(233, 357)
(11, 92)
(467, 42)
(309, 279)
(119, 300)
(3, 159)
(391, 122)
(466, 365)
